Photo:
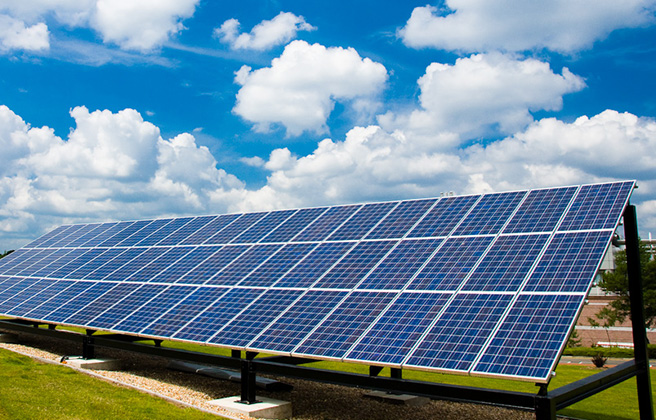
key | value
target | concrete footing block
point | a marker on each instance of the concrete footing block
(398, 399)
(8, 338)
(267, 408)
(94, 364)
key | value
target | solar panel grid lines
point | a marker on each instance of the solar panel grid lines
(95, 230)
(327, 223)
(402, 219)
(50, 289)
(545, 319)
(240, 267)
(77, 302)
(214, 264)
(264, 226)
(64, 237)
(49, 235)
(90, 310)
(129, 230)
(542, 210)
(124, 305)
(235, 228)
(185, 264)
(363, 221)
(444, 217)
(164, 232)
(58, 300)
(44, 262)
(278, 265)
(25, 261)
(183, 232)
(294, 225)
(106, 234)
(106, 263)
(142, 234)
(133, 266)
(167, 257)
(491, 213)
(214, 226)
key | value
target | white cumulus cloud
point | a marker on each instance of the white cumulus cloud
(265, 35)
(483, 94)
(517, 25)
(301, 87)
(17, 35)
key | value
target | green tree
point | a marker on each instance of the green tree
(618, 282)
(4, 254)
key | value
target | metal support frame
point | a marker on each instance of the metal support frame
(544, 403)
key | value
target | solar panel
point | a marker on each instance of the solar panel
(486, 285)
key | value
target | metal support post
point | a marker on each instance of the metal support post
(248, 377)
(637, 313)
(375, 370)
(88, 349)
(545, 408)
(396, 373)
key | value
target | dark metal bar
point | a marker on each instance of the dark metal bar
(88, 349)
(288, 360)
(396, 373)
(375, 370)
(637, 313)
(576, 391)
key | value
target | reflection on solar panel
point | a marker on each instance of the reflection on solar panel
(484, 284)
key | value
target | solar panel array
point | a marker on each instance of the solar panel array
(484, 284)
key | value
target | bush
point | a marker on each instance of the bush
(599, 360)
(614, 352)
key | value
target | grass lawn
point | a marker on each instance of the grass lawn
(33, 390)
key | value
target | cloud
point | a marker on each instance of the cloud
(16, 35)
(132, 25)
(301, 87)
(265, 35)
(558, 25)
(138, 25)
(481, 95)
(111, 166)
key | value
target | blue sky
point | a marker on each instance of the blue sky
(114, 110)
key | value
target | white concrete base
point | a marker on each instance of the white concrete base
(8, 338)
(399, 399)
(95, 364)
(268, 408)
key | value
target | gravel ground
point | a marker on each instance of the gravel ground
(310, 400)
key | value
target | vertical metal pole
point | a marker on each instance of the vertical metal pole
(88, 350)
(396, 373)
(545, 408)
(637, 313)
(248, 377)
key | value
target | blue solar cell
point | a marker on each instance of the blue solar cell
(362, 222)
(531, 337)
(184, 233)
(144, 232)
(163, 232)
(351, 269)
(235, 228)
(49, 288)
(125, 305)
(392, 337)
(597, 206)
(211, 319)
(399, 267)
(285, 333)
(108, 233)
(306, 273)
(212, 228)
(66, 257)
(21, 259)
(443, 217)
(78, 301)
(91, 232)
(119, 237)
(541, 211)
(400, 220)
(151, 310)
(292, 226)
(64, 237)
(38, 241)
(281, 262)
(570, 262)
(326, 223)
(12, 286)
(506, 264)
(90, 310)
(339, 331)
(135, 264)
(448, 268)
(159, 264)
(60, 299)
(16, 257)
(21, 292)
(176, 271)
(214, 264)
(461, 331)
(106, 263)
(85, 256)
(259, 314)
(234, 272)
(46, 261)
(182, 312)
(263, 226)
(490, 214)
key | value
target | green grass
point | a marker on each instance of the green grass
(34, 390)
